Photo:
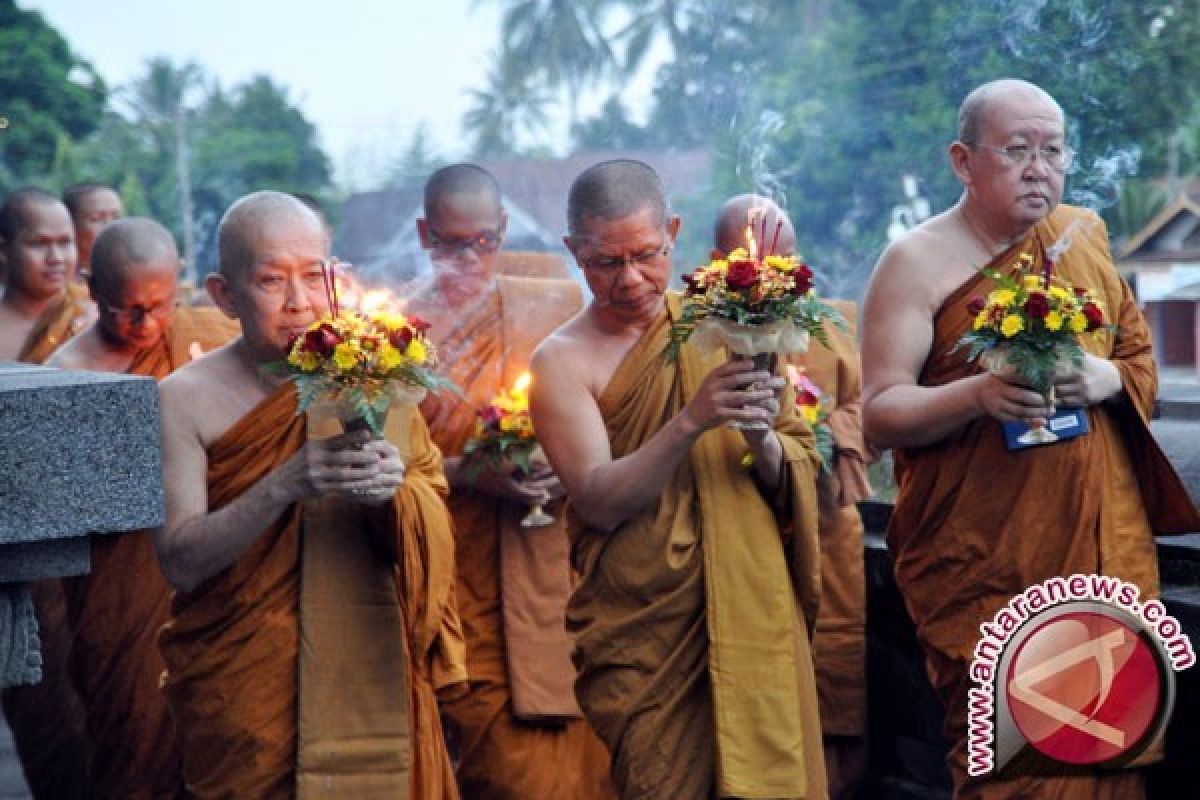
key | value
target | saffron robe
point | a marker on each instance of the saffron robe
(840, 641)
(277, 691)
(975, 523)
(115, 611)
(691, 618)
(47, 718)
(512, 583)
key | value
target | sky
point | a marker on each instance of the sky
(365, 72)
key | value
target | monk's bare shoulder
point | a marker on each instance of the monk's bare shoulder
(201, 395)
(71, 355)
(924, 266)
(562, 350)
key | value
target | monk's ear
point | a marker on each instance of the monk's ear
(960, 156)
(221, 292)
(423, 233)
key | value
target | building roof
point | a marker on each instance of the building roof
(1172, 236)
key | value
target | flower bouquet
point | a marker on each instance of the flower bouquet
(359, 363)
(754, 305)
(1029, 326)
(504, 435)
(809, 400)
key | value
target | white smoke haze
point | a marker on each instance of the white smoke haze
(1098, 185)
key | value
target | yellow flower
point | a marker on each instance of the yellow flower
(1012, 325)
(416, 351)
(811, 414)
(1054, 321)
(389, 358)
(1032, 281)
(345, 355)
(719, 266)
(509, 424)
(304, 359)
(1060, 294)
(1078, 323)
(1002, 297)
(981, 319)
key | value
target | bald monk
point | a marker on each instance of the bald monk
(519, 731)
(698, 576)
(840, 641)
(275, 536)
(974, 522)
(116, 609)
(92, 206)
(38, 314)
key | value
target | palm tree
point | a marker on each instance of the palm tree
(647, 19)
(510, 103)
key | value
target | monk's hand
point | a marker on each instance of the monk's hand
(507, 482)
(732, 393)
(355, 466)
(1010, 401)
(1094, 382)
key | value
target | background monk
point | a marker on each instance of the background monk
(976, 523)
(512, 584)
(37, 314)
(840, 641)
(274, 536)
(92, 206)
(691, 643)
(116, 609)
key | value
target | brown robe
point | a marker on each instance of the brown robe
(115, 612)
(502, 757)
(975, 523)
(533, 265)
(259, 716)
(691, 642)
(840, 641)
(47, 719)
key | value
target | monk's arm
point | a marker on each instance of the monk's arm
(897, 339)
(193, 544)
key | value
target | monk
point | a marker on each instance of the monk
(116, 609)
(280, 533)
(974, 522)
(37, 315)
(92, 206)
(699, 576)
(840, 641)
(519, 731)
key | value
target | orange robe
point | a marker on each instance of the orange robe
(690, 617)
(115, 612)
(254, 710)
(501, 757)
(47, 718)
(975, 523)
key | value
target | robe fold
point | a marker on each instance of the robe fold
(257, 717)
(840, 641)
(115, 611)
(975, 524)
(518, 728)
(690, 618)
(47, 718)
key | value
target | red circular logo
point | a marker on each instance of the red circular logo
(1084, 688)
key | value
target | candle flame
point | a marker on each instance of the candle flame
(523, 382)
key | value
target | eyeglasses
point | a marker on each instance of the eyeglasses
(1058, 157)
(613, 263)
(135, 314)
(482, 243)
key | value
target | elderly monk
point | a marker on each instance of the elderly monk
(840, 642)
(92, 206)
(519, 731)
(313, 613)
(698, 574)
(976, 523)
(116, 609)
(37, 314)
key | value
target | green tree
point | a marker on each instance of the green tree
(510, 103)
(418, 160)
(46, 93)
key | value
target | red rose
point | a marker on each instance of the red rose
(806, 398)
(803, 277)
(976, 305)
(400, 338)
(1095, 316)
(490, 416)
(1037, 306)
(741, 275)
(418, 324)
(322, 340)
(1080, 291)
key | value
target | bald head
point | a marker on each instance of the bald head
(729, 231)
(460, 179)
(128, 246)
(612, 190)
(244, 224)
(14, 211)
(973, 113)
